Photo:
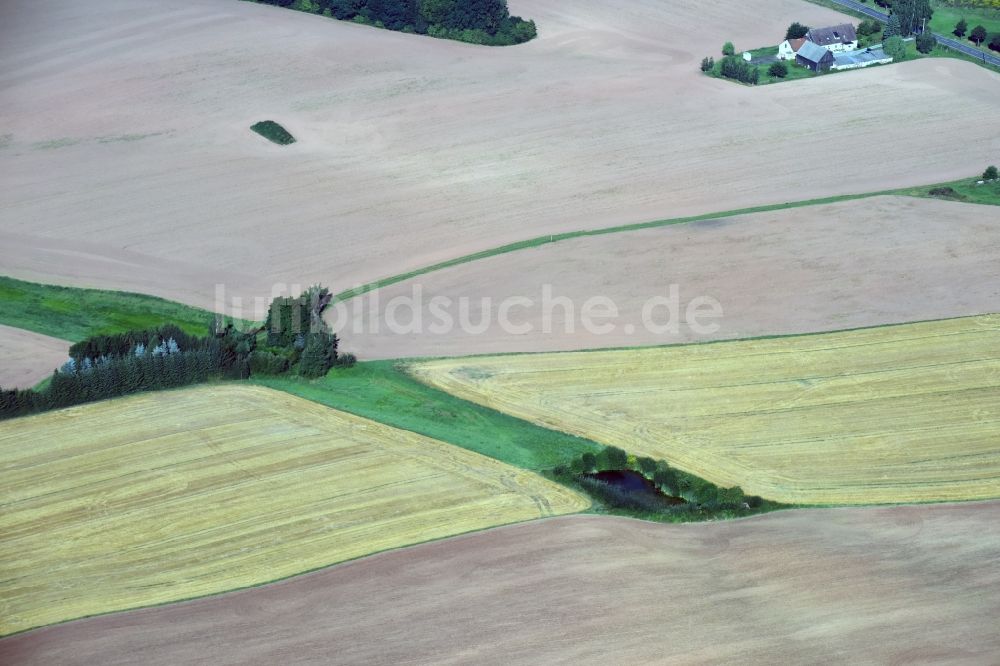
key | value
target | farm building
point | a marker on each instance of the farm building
(835, 38)
(858, 59)
(815, 57)
(788, 48)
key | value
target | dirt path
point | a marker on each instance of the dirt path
(129, 161)
(27, 358)
(878, 585)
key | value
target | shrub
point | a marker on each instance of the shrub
(665, 479)
(346, 360)
(739, 69)
(869, 27)
(990, 173)
(588, 462)
(732, 495)
(319, 354)
(943, 192)
(705, 492)
(926, 41)
(892, 27)
(728, 49)
(707, 64)
(614, 458)
(796, 31)
(265, 363)
(895, 47)
(995, 42)
(273, 132)
(778, 70)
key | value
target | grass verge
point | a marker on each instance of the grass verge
(945, 18)
(382, 391)
(72, 313)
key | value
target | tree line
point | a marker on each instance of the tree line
(294, 338)
(475, 21)
(701, 498)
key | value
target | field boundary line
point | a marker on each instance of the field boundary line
(539, 241)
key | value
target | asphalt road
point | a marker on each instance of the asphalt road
(942, 39)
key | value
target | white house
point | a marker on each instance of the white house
(788, 48)
(837, 38)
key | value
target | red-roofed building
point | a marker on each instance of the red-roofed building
(789, 47)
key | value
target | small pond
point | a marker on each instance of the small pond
(634, 483)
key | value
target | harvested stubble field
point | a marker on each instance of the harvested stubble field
(904, 413)
(850, 264)
(168, 496)
(27, 358)
(129, 163)
(895, 585)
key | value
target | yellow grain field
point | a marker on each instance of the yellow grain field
(172, 495)
(893, 414)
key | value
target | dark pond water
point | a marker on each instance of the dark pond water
(634, 483)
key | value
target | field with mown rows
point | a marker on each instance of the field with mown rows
(167, 496)
(905, 413)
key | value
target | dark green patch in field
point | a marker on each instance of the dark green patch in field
(273, 132)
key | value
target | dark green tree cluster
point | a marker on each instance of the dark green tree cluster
(119, 344)
(910, 14)
(893, 28)
(475, 21)
(778, 70)
(153, 362)
(926, 41)
(895, 47)
(739, 69)
(707, 64)
(683, 493)
(108, 366)
(869, 27)
(796, 31)
(297, 333)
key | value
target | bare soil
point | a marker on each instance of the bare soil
(851, 264)
(877, 585)
(27, 358)
(129, 162)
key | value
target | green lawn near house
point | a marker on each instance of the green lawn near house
(946, 17)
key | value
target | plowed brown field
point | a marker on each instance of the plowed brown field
(128, 160)
(889, 586)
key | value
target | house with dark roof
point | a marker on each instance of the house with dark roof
(835, 38)
(788, 48)
(815, 57)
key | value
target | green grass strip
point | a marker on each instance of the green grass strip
(982, 194)
(383, 392)
(73, 314)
